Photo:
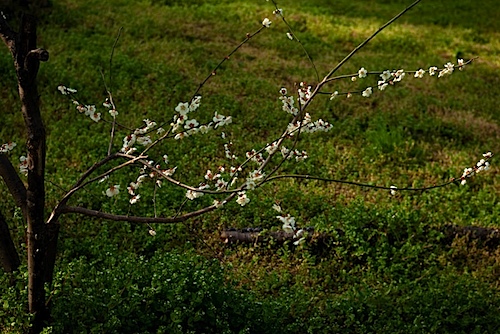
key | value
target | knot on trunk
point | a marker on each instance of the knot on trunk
(37, 54)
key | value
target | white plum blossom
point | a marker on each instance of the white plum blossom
(468, 172)
(253, 178)
(299, 241)
(218, 204)
(95, 116)
(277, 207)
(144, 140)
(23, 165)
(300, 156)
(195, 103)
(393, 190)
(191, 195)
(285, 152)
(288, 104)
(181, 135)
(191, 124)
(169, 171)
(7, 147)
(227, 151)
(113, 190)
(107, 103)
(205, 128)
(289, 35)
(420, 73)
(210, 176)
(242, 198)
(448, 69)
(220, 184)
(66, 90)
(266, 22)
(134, 199)
(432, 70)
(128, 142)
(386, 75)
(304, 93)
(113, 112)
(271, 148)
(255, 157)
(182, 108)
(367, 92)
(288, 223)
(221, 120)
(334, 95)
(382, 85)
(398, 75)
(362, 72)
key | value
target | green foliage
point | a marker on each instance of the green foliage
(165, 293)
(388, 269)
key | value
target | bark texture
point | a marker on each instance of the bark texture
(41, 240)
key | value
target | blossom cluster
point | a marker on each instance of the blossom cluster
(108, 104)
(23, 160)
(156, 174)
(304, 93)
(192, 126)
(7, 147)
(308, 126)
(87, 109)
(289, 225)
(388, 77)
(23, 165)
(140, 136)
(298, 155)
(192, 194)
(481, 165)
(288, 102)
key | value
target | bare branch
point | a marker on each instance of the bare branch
(14, 183)
(226, 58)
(136, 219)
(9, 258)
(359, 184)
(360, 46)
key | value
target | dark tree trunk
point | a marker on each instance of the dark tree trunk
(27, 61)
(41, 237)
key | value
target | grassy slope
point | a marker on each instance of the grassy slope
(420, 133)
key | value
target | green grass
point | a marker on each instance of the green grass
(388, 271)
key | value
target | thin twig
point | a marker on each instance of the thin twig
(226, 58)
(343, 61)
(359, 184)
(292, 33)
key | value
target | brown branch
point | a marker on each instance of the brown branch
(9, 258)
(135, 219)
(14, 183)
(57, 211)
(226, 58)
(359, 184)
(360, 46)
